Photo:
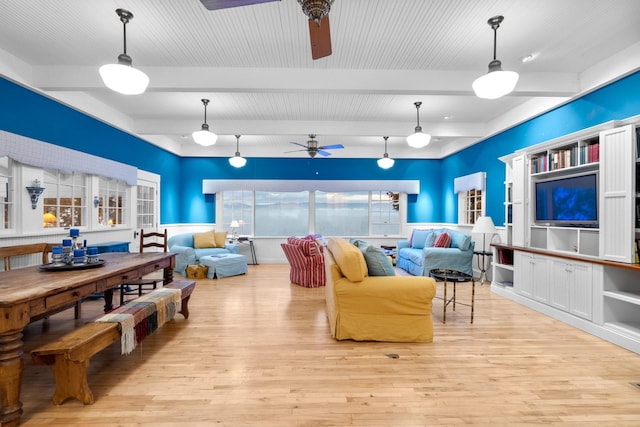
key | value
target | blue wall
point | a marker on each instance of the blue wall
(28, 113)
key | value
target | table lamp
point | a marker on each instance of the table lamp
(234, 229)
(484, 225)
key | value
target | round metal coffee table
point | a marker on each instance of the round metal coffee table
(453, 276)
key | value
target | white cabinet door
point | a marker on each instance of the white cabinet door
(617, 191)
(581, 290)
(518, 207)
(540, 279)
(559, 292)
(523, 273)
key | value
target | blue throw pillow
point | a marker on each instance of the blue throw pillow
(378, 263)
(459, 239)
(418, 238)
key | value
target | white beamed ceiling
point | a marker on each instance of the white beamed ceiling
(254, 64)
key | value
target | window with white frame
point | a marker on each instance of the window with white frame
(146, 202)
(385, 213)
(112, 201)
(277, 213)
(471, 197)
(6, 193)
(238, 206)
(64, 199)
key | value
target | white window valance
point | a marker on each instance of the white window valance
(474, 181)
(50, 156)
(212, 186)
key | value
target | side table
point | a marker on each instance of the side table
(483, 266)
(390, 251)
(454, 277)
(252, 249)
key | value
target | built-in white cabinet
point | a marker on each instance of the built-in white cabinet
(572, 289)
(586, 273)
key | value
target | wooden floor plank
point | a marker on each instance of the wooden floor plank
(257, 351)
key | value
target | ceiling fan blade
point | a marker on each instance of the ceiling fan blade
(294, 151)
(320, 37)
(331, 147)
(323, 153)
(225, 4)
(297, 143)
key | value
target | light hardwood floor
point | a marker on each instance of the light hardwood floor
(257, 351)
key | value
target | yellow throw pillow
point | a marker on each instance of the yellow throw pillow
(204, 240)
(221, 239)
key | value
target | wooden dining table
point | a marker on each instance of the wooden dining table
(31, 293)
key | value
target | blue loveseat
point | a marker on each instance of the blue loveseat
(418, 256)
(183, 246)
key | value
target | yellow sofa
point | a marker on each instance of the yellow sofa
(381, 308)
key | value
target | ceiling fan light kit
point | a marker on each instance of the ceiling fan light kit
(237, 161)
(385, 162)
(204, 136)
(418, 139)
(497, 82)
(123, 77)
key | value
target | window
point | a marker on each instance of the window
(238, 206)
(342, 214)
(385, 213)
(6, 193)
(471, 195)
(281, 213)
(274, 213)
(65, 199)
(146, 207)
(474, 202)
(112, 201)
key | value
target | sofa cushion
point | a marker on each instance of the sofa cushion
(378, 263)
(220, 238)
(418, 238)
(459, 239)
(443, 240)
(349, 259)
(308, 246)
(204, 240)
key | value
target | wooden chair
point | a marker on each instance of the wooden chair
(136, 287)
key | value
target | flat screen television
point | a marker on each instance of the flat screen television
(570, 201)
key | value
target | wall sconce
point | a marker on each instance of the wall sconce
(96, 201)
(35, 191)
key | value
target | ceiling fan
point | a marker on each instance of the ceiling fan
(312, 147)
(316, 10)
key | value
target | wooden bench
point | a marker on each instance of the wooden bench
(69, 356)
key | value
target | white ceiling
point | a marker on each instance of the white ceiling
(254, 64)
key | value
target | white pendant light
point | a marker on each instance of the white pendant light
(385, 162)
(204, 136)
(418, 139)
(122, 77)
(237, 161)
(497, 82)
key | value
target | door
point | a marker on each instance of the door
(147, 205)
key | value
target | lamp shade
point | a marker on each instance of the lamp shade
(385, 162)
(495, 84)
(237, 161)
(484, 225)
(124, 79)
(234, 224)
(418, 139)
(204, 136)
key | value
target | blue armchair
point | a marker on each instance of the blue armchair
(182, 245)
(418, 256)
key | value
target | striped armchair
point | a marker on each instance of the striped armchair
(306, 260)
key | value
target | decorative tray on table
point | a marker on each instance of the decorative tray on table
(67, 267)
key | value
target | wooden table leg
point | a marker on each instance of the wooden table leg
(108, 300)
(167, 275)
(11, 367)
